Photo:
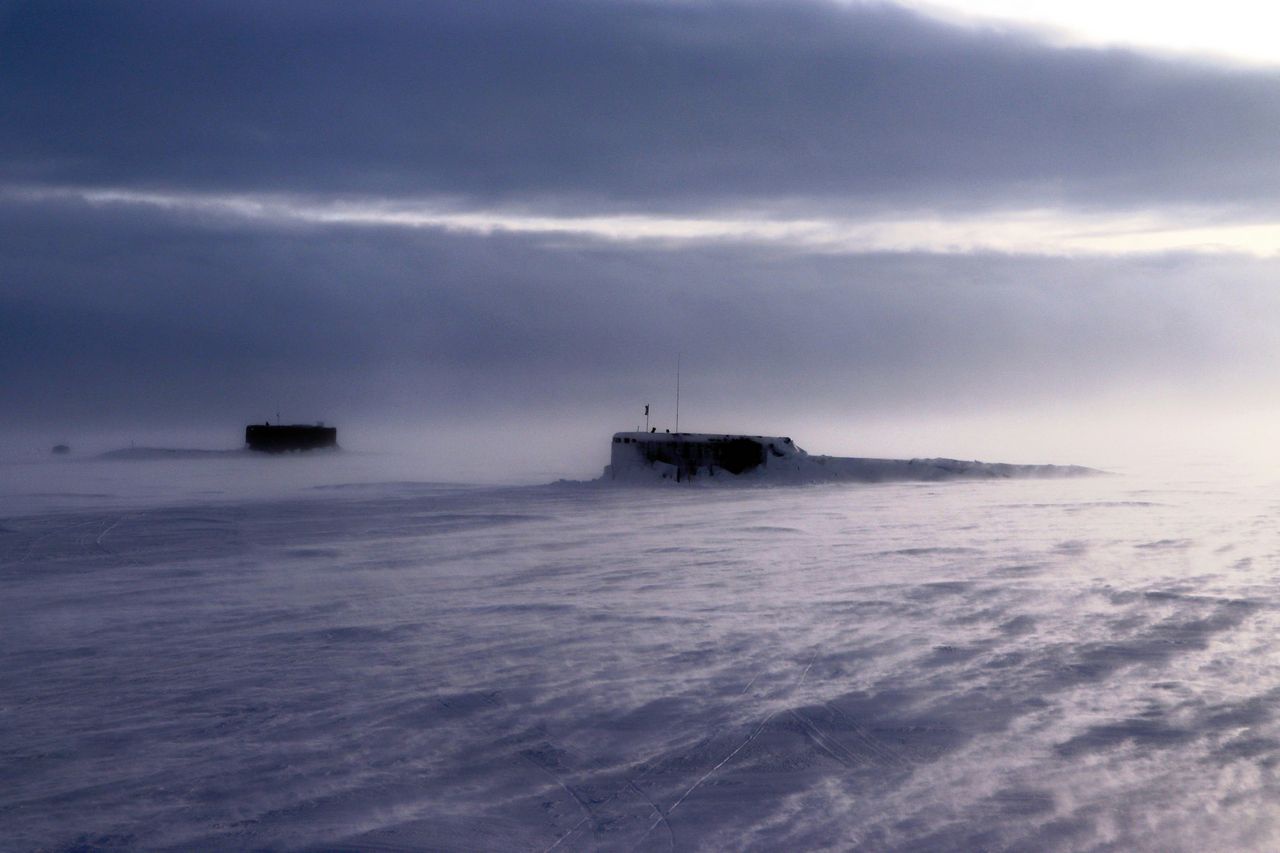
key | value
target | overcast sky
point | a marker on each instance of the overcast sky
(438, 215)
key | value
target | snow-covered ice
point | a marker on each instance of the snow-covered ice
(196, 658)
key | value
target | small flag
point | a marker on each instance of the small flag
(646, 410)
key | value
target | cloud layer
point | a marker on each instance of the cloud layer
(623, 104)
(462, 210)
(141, 314)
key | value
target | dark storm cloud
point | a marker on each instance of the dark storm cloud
(141, 316)
(629, 104)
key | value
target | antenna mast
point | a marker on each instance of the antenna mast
(677, 392)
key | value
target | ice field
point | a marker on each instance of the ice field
(214, 654)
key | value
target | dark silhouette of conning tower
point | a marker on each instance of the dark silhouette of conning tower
(282, 438)
(686, 455)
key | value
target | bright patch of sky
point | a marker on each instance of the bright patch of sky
(1027, 231)
(1233, 30)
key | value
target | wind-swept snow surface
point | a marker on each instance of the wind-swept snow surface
(1032, 664)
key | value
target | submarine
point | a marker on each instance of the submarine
(685, 457)
(283, 438)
